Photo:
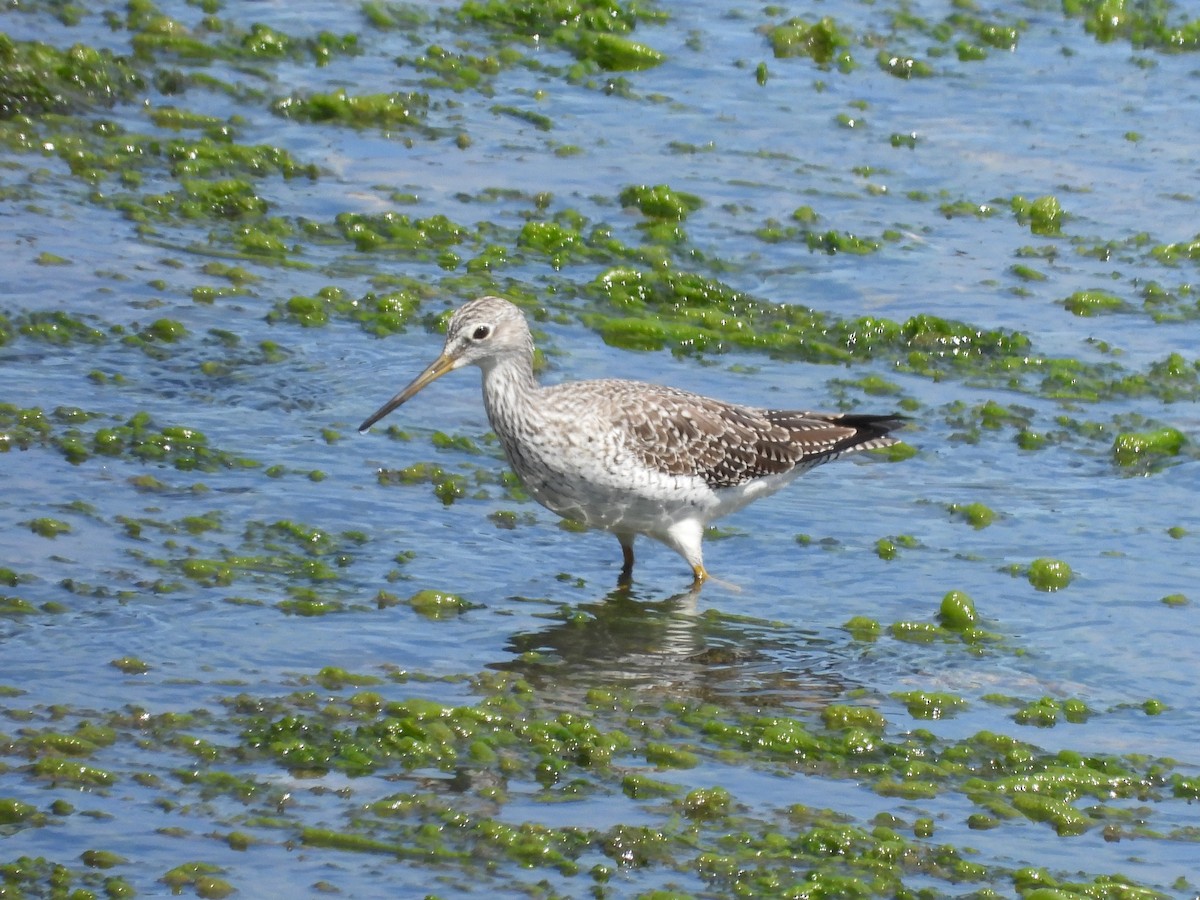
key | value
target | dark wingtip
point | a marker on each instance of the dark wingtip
(873, 426)
(871, 431)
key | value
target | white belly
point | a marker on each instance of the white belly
(598, 484)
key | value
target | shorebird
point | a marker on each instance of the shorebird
(631, 457)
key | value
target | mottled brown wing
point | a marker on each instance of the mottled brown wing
(726, 445)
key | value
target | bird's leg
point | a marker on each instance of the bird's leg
(699, 575)
(626, 575)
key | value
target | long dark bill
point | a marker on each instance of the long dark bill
(436, 370)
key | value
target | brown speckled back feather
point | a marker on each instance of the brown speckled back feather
(686, 434)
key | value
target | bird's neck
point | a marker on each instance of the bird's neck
(508, 388)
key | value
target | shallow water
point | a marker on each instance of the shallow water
(1095, 124)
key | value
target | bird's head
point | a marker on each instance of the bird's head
(482, 332)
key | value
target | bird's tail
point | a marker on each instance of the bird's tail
(870, 431)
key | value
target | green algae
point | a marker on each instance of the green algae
(205, 158)
(977, 515)
(156, 35)
(1043, 215)
(414, 734)
(387, 111)
(1145, 449)
(958, 208)
(862, 628)
(706, 803)
(131, 665)
(595, 31)
(843, 716)
(201, 877)
(447, 486)
(831, 242)
(297, 556)
(1047, 574)
(420, 238)
(434, 604)
(53, 327)
(38, 79)
(957, 611)
(1027, 273)
(1045, 712)
(1165, 304)
(458, 71)
(305, 604)
(1177, 252)
(1092, 303)
(186, 449)
(516, 728)
(916, 632)
(930, 704)
(16, 606)
(1065, 819)
(532, 117)
(964, 31)
(903, 67)
(102, 859)
(62, 771)
(47, 527)
(459, 443)
(872, 385)
(354, 843)
(640, 787)
(561, 247)
(214, 784)
(232, 199)
(896, 452)
(668, 756)
(615, 53)
(27, 876)
(889, 547)
(824, 41)
(692, 314)
(166, 330)
(13, 811)
(1142, 25)
(828, 241)
(541, 16)
(376, 313)
(660, 201)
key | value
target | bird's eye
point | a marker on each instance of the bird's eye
(481, 333)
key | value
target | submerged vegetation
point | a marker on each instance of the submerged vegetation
(511, 735)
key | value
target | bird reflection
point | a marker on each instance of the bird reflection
(626, 639)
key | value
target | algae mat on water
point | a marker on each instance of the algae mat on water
(246, 651)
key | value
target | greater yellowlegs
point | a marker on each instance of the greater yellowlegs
(630, 457)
